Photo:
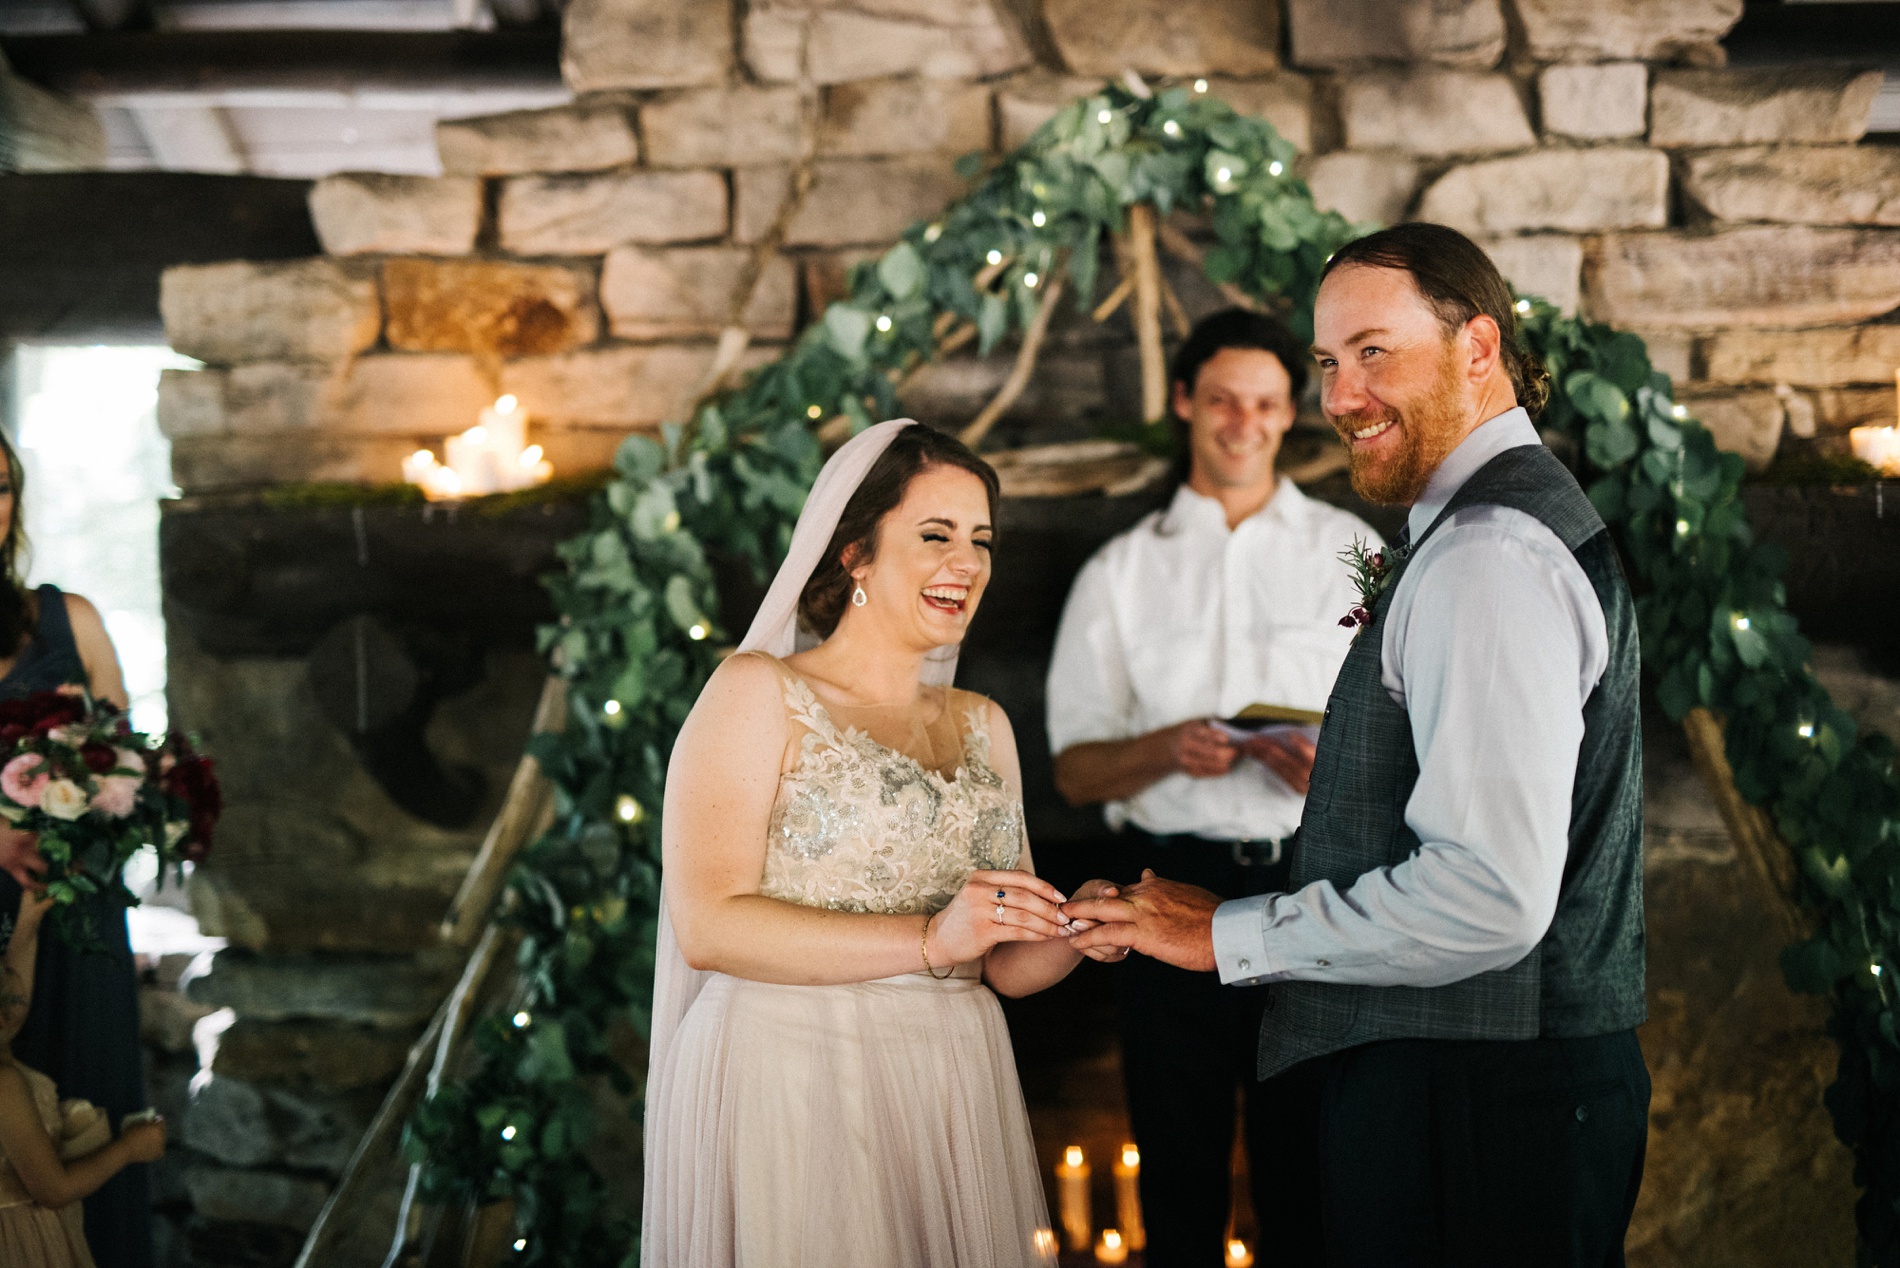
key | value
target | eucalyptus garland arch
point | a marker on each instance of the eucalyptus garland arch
(640, 623)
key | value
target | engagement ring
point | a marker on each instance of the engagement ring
(1000, 895)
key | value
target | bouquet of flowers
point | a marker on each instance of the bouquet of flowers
(95, 792)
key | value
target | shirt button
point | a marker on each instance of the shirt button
(1245, 965)
(1324, 964)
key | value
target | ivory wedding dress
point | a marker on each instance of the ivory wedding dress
(872, 1125)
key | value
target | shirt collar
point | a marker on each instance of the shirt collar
(1509, 430)
(1201, 513)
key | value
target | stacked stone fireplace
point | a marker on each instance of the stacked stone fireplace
(585, 259)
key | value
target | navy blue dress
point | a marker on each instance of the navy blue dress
(83, 1028)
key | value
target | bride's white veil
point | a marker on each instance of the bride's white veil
(775, 631)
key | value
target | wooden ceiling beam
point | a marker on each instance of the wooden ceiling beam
(130, 64)
(81, 252)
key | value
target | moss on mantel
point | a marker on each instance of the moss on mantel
(334, 495)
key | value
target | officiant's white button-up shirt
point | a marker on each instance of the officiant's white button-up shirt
(1180, 618)
(1493, 641)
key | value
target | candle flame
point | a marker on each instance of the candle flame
(1131, 1156)
(1072, 1156)
(477, 435)
(530, 456)
(1111, 1238)
(506, 404)
(1045, 1241)
(1238, 1256)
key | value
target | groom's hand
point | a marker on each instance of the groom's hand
(1164, 920)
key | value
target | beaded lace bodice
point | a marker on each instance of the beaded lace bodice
(861, 827)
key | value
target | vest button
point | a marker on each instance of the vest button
(1583, 1113)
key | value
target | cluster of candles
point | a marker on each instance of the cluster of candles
(1878, 447)
(1114, 1244)
(493, 456)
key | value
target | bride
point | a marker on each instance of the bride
(847, 880)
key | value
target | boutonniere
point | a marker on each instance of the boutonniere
(1372, 573)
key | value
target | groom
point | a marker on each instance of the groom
(1462, 949)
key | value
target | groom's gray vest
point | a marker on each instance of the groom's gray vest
(1586, 976)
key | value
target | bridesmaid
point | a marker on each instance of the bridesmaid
(83, 1030)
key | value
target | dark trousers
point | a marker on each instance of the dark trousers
(1488, 1154)
(1189, 1048)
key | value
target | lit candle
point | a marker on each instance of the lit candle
(1111, 1250)
(1045, 1243)
(1238, 1255)
(1878, 447)
(1128, 1197)
(1072, 1185)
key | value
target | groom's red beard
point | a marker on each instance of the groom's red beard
(1427, 431)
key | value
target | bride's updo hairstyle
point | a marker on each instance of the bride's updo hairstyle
(915, 449)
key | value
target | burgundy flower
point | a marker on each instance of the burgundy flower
(41, 712)
(1355, 618)
(193, 782)
(1378, 560)
(99, 758)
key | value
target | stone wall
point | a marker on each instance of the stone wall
(584, 259)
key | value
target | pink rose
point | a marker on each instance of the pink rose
(130, 759)
(117, 795)
(24, 778)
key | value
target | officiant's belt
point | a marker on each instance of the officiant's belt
(1250, 852)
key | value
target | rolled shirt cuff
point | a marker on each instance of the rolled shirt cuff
(1240, 944)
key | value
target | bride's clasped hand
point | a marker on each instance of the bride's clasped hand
(998, 907)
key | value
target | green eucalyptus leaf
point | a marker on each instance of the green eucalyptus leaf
(902, 271)
(680, 603)
(992, 322)
(639, 459)
(1597, 397)
(655, 514)
(848, 328)
(1611, 444)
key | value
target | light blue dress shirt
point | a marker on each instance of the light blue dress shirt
(1493, 641)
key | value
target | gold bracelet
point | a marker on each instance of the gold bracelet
(924, 945)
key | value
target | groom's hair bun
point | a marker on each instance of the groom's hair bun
(911, 452)
(1458, 281)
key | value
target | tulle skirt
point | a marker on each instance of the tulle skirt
(875, 1125)
(32, 1236)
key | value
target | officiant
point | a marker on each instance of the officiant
(1229, 596)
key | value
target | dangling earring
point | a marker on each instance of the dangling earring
(859, 598)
